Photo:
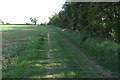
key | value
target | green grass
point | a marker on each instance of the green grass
(32, 46)
(15, 27)
(28, 64)
(67, 62)
(15, 41)
(105, 52)
(21, 46)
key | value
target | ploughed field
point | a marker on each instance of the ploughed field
(38, 51)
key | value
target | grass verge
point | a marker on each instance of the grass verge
(105, 52)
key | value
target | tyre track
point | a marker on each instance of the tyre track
(49, 56)
(102, 71)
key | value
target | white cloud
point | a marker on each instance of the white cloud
(19, 11)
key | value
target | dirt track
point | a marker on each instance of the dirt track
(83, 65)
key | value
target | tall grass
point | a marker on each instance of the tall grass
(105, 52)
(25, 51)
(27, 65)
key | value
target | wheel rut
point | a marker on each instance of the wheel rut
(49, 66)
(95, 67)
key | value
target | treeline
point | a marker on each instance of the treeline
(16, 24)
(91, 18)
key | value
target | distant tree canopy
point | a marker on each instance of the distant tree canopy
(93, 19)
(54, 19)
(34, 20)
(7, 23)
(44, 23)
(27, 23)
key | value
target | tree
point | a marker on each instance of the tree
(1, 21)
(34, 20)
(54, 19)
(94, 19)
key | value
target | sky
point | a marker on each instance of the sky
(19, 11)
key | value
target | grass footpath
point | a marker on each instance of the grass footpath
(67, 61)
(56, 53)
(105, 52)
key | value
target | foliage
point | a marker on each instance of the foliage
(43, 24)
(54, 20)
(34, 20)
(93, 19)
(1, 21)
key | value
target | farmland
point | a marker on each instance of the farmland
(38, 51)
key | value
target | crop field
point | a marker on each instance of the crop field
(14, 41)
(38, 51)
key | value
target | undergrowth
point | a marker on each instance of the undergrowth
(105, 52)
